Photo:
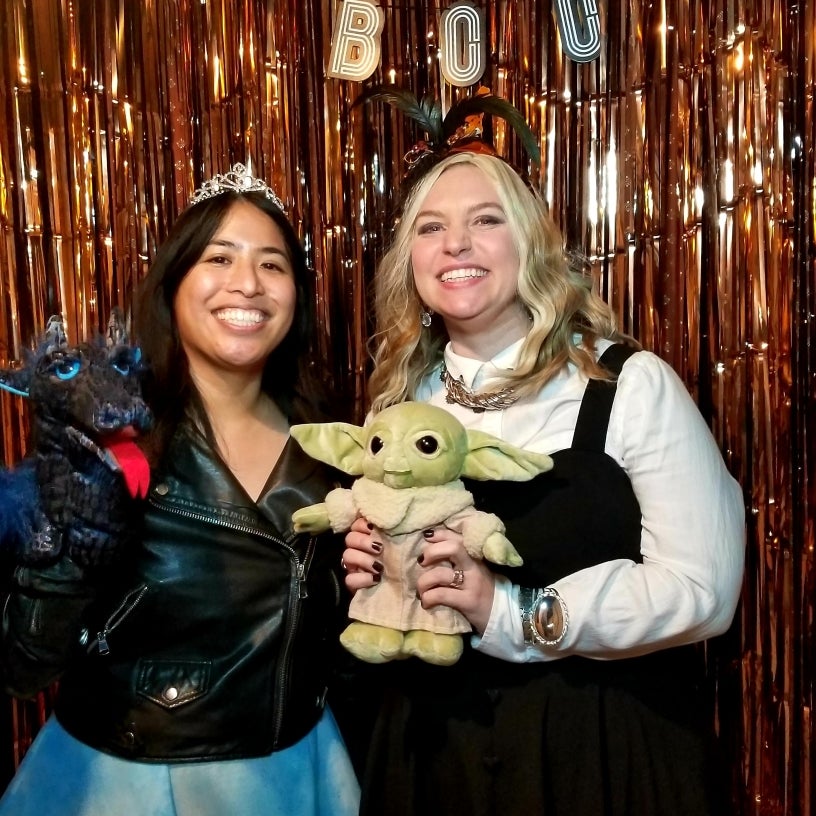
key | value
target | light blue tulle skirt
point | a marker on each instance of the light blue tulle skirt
(64, 777)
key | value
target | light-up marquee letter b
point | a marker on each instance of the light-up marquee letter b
(355, 49)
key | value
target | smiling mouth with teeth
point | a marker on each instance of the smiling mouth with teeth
(462, 274)
(243, 317)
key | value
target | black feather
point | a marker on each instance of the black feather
(426, 112)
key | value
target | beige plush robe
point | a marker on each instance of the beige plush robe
(399, 516)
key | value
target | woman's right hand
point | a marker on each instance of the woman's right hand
(361, 559)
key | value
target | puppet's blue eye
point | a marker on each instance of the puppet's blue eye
(427, 444)
(67, 369)
(126, 361)
(375, 445)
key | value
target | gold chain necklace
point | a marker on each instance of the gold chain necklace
(458, 392)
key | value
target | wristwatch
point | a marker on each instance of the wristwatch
(544, 617)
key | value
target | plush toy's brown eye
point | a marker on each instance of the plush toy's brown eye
(427, 444)
(375, 445)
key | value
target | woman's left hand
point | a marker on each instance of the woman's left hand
(450, 577)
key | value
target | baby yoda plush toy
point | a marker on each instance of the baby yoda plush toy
(410, 458)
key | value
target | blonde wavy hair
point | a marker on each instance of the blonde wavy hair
(560, 300)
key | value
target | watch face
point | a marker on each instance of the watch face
(544, 618)
(548, 618)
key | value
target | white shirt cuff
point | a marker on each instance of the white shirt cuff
(503, 636)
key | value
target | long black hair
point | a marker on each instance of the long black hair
(287, 377)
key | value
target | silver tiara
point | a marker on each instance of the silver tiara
(237, 180)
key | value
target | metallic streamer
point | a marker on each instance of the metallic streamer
(679, 164)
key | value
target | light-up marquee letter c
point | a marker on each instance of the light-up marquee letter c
(580, 29)
(355, 50)
(463, 52)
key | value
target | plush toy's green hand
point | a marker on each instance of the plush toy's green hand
(498, 550)
(311, 519)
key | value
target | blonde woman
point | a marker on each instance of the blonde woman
(581, 692)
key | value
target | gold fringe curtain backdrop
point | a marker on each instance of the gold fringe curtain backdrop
(679, 164)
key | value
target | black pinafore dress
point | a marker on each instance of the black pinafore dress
(572, 737)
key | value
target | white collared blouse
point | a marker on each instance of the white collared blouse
(693, 515)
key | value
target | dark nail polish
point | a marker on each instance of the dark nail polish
(420, 558)
(378, 567)
(418, 596)
(377, 577)
(370, 525)
(428, 533)
(376, 546)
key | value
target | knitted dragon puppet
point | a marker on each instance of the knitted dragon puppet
(410, 459)
(74, 492)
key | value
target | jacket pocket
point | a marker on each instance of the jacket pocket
(173, 683)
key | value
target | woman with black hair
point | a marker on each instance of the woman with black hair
(194, 672)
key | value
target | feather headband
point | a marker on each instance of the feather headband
(460, 130)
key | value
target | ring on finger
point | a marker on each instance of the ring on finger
(458, 579)
(343, 564)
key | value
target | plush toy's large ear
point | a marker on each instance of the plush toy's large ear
(55, 336)
(15, 380)
(117, 333)
(337, 443)
(489, 458)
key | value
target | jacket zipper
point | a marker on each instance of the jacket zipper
(119, 614)
(294, 617)
(300, 592)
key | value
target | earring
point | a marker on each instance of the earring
(425, 316)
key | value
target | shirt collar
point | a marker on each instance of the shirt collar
(475, 373)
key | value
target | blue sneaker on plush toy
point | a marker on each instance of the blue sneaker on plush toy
(74, 493)
(410, 458)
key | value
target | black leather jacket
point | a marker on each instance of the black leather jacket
(218, 640)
